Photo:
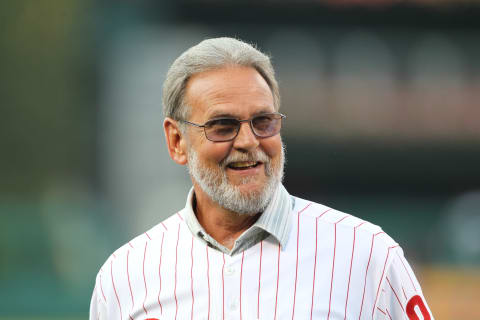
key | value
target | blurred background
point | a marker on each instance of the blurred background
(383, 121)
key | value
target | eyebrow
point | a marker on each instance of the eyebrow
(218, 115)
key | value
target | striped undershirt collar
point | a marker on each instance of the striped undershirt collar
(275, 221)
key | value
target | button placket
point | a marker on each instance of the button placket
(232, 286)
(230, 270)
(234, 305)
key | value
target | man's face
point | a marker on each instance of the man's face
(240, 175)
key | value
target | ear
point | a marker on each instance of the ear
(176, 142)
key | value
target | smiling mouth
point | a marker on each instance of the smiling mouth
(243, 165)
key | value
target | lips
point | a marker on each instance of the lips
(243, 165)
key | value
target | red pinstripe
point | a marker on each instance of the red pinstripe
(160, 275)
(241, 275)
(101, 288)
(259, 276)
(278, 280)
(148, 236)
(315, 263)
(366, 272)
(208, 281)
(145, 280)
(191, 277)
(404, 294)
(395, 293)
(381, 311)
(408, 273)
(163, 225)
(115, 289)
(129, 285)
(223, 287)
(296, 267)
(333, 265)
(381, 277)
(323, 213)
(351, 263)
(388, 313)
(178, 214)
(130, 245)
(343, 218)
(176, 261)
(314, 266)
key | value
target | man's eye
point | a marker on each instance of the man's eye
(261, 119)
(222, 126)
(224, 130)
(223, 122)
(262, 122)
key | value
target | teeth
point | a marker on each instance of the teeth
(243, 164)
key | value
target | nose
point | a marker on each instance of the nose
(246, 139)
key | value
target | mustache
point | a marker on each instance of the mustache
(256, 156)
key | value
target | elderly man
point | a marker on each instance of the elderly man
(243, 247)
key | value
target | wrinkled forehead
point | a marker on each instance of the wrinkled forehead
(229, 91)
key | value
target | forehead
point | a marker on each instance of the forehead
(235, 91)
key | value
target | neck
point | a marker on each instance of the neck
(224, 225)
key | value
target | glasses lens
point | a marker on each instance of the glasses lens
(221, 129)
(267, 125)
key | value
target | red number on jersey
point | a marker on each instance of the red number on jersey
(412, 303)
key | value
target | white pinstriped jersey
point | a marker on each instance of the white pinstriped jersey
(334, 266)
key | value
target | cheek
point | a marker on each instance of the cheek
(215, 152)
(272, 147)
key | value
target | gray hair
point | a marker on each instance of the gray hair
(208, 55)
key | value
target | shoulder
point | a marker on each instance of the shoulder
(319, 214)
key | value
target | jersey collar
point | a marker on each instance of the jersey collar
(274, 221)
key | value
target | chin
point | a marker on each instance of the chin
(247, 187)
(243, 193)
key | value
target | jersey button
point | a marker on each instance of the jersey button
(229, 270)
(234, 305)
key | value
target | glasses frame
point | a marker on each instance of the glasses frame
(250, 121)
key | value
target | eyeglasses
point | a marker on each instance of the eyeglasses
(226, 129)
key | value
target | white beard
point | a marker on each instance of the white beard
(214, 182)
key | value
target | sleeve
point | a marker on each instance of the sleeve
(401, 296)
(98, 308)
